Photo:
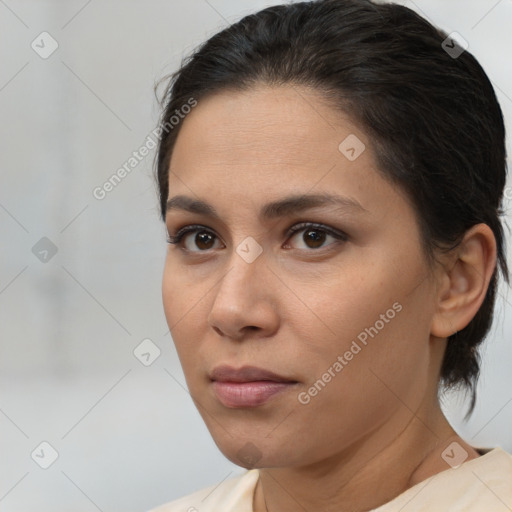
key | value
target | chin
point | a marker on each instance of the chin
(251, 454)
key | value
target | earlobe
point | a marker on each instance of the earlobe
(464, 284)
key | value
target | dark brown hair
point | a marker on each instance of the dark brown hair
(432, 115)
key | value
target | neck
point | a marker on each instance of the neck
(385, 462)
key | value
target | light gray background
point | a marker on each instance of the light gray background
(128, 436)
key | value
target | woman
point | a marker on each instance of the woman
(331, 176)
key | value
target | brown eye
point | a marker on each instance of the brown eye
(204, 240)
(314, 236)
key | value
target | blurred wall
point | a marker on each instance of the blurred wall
(81, 267)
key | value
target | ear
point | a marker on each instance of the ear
(464, 281)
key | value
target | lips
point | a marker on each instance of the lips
(226, 373)
(248, 386)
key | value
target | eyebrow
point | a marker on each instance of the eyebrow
(286, 206)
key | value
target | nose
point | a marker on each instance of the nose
(246, 302)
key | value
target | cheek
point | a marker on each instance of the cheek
(372, 332)
(356, 386)
(182, 291)
(182, 305)
(343, 307)
(171, 290)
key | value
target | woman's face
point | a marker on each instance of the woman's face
(343, 308)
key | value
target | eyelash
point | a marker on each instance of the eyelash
(303, 226)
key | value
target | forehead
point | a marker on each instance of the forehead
(253, 117)
(269, 142)
(268, 129)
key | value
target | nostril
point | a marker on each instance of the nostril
(218, 331)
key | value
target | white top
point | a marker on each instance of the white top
(483, 484)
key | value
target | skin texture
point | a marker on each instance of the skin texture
(299, 305)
